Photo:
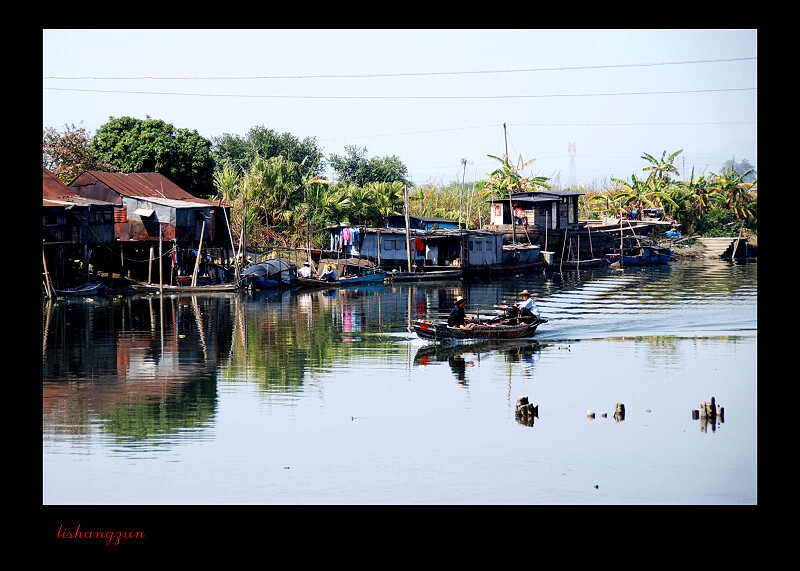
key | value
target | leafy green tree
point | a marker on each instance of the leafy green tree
(151, 145)
(70, 153)
(241, 152)
(355, 169)
(743, 166)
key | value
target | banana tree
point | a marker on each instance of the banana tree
(637, 192)
(420, 196)
(661, 169)
(734, 193)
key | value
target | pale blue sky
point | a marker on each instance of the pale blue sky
(430, 96)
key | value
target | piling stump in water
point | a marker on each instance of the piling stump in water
(709, 413)
(525, 411)
(619, 412)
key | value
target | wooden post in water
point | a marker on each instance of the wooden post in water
(150, 267)
(51, 292)
(408, 229)
(736, 244)
(199, 251)
(160, 262)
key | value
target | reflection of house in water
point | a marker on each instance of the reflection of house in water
(155, 374)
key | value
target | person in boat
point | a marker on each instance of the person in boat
(329, 275)
(458, 318)
(527, 307)
(305, 271)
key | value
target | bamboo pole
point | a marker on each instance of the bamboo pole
(160, 262)
(150, 267)
(199, 251)
(736, 244)
(51, 292)
(408, 229)
(546, 223)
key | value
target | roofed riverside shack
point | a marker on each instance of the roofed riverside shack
(549, 219)
(435, 244)
(150, 210)
(77, 233)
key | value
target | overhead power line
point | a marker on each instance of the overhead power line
(407, 97)
(417, 74)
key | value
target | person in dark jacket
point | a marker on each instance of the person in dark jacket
(457, 316)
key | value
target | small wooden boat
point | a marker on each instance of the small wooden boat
(269, 274)
(395, 276)
(647, 256)
(209, 288)
(369, 278)
(84, 290)
(569, 265)
(503, 329)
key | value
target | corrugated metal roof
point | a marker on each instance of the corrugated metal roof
(172, 203)
(53, 187)
(56, 193)
(149, 185)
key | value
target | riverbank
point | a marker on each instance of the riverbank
(693, 248)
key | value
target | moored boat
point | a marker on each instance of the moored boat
(82, 290)
(206, 288)
(560, 265)
(371, 277)
(647, 256)
(396, 276)
(269, 274)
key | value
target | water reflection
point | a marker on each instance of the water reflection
(133, 368)
(145, 365)
(460, 356)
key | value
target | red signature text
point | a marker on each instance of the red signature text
(110, 537)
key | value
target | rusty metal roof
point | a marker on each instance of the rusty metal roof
(54, 187)
(56, 193)
(139, 185)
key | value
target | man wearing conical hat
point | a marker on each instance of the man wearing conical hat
(527, 308)
(458, 317)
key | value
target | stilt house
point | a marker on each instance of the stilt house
(149, 209)
(74, 229)
(551, 210)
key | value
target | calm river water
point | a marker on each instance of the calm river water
(324, 397)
